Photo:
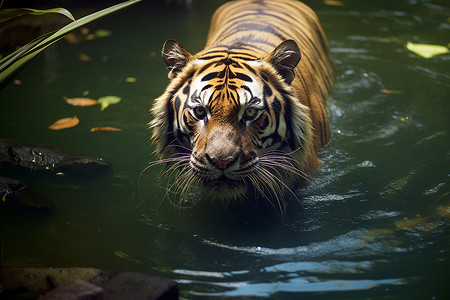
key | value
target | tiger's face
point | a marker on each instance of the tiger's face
(229, 122)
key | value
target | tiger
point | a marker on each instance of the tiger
(245, 116)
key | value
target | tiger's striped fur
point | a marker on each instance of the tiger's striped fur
(247, 112)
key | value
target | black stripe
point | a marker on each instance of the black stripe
(241, 76)
(211, 56)
(206, 87)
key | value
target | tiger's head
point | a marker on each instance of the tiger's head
(230, 122)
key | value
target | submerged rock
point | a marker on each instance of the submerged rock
(48, 158)
(15, 192)
(11, 188)
(83, 283)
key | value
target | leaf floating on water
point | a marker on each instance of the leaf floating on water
(85, 30)
(4, 198)
(372, 235)
(101, 33)
(105, 129)
(130, 79)
(64, 123)
(386, 91)
(334, 2)
(421, 223)
(84, 57)
(80, 101)
(426, 50)
(73, 38)
(108, 100)
(127, 257)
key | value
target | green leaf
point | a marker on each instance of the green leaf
(426, 50)
(4, 198)
(12, 64)
(10, 13)
(127, 257)
(108, 100)
(101, 33)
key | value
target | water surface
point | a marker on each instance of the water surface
(373, 225)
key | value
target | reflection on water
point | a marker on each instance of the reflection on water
(374, 224)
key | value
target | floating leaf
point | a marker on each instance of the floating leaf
(130, 79)
(108, 100)
(84, 57)
(73, 38)
(80, 101)
(85, 30)
(4, 197)
(334, 2)
(386, 91)
(64, 123)
(127, 257)
(424, 224)
(101, 33)
(444, 211)
(426, 50)
(105, 129)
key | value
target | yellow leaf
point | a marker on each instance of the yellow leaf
(131, 79)
(64, 123)
(426, 50)
(80, 101)
(84, 57)
(386, 91)
(105, 129)
(334, 2)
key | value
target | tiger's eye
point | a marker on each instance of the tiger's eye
(199, 112)
(250, 112)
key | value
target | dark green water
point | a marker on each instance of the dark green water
(374, 225)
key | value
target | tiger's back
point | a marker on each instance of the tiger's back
(247, 112)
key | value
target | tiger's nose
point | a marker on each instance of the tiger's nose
(221, 164)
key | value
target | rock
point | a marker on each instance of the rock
(48, 158)
(83, 283)
(11, 188)
(76, 290)
(34, 280)
(139, 286)
(15, 192)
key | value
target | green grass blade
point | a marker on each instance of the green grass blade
(10, 13)
(6, 61)
(9, 68)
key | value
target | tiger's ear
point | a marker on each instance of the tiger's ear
(285, 58)
(175, 56)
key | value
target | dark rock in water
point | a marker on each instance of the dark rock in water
(139, 286)
(11, 188)
(15, 192)
(76, 290)
(29, 283)
(43, 157)
(83, 283)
